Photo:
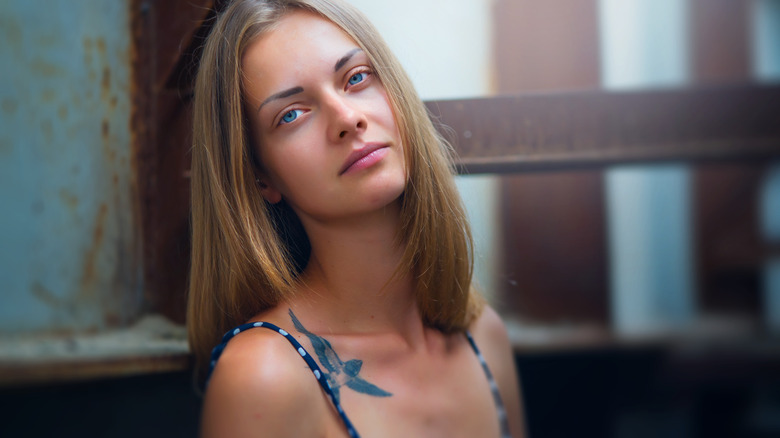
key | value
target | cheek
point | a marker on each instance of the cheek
(389, 120)
(388, 110)
(271, 165)
(293, 167)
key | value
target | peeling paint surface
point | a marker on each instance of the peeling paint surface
(68, 242)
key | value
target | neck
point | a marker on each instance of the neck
(350, 283)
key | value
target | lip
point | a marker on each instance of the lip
(356, 158)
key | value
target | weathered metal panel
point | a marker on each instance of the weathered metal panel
(68, 228)
(167, 37)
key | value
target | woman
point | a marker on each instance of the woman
(329, 242)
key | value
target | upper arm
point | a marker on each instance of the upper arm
(259, 389)
(493, 341)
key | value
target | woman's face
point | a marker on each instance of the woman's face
(327, 137)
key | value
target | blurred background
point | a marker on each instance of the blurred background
(643, 299)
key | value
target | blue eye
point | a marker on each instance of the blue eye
(356, 79)
(289, 116)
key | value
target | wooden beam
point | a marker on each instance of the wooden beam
(564, 131)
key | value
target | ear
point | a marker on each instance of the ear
(269, 193)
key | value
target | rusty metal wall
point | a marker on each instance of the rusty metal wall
(69, 252)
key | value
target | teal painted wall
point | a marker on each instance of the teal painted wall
(69, 251)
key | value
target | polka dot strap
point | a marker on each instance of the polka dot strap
(502, 418)
(217, 351)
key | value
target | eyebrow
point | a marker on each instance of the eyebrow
(295, 90)
(281, 95)
(340, 63)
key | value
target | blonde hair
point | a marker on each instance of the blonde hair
(246, 254)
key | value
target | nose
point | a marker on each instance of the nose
(346, 118)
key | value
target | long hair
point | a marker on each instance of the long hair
(246, 253)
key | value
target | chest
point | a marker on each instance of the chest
(443, 396)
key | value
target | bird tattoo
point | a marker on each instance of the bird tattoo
(339, 373)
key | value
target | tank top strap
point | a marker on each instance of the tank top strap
(315, 369)
(502, 417)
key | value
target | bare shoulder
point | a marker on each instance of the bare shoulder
(260, 383)
(490, 326)
(491, 337)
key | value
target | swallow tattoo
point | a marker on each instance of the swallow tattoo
(339, 373)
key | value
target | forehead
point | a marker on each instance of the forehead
(300, 42)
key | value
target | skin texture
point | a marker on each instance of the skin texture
(395, 376)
